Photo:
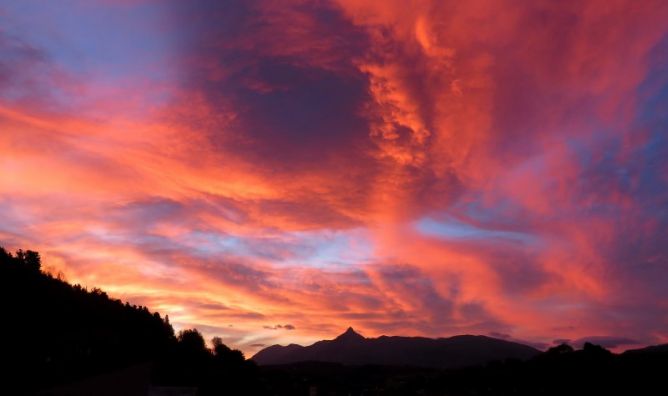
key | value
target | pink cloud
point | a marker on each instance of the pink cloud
(284, 169)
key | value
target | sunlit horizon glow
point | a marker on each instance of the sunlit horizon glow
(276, 171)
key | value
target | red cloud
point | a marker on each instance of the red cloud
(521, 133)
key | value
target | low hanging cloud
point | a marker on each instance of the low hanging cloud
(280, 327)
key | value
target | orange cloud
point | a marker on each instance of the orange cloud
(413, 168)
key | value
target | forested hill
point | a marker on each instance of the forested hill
(55, 333)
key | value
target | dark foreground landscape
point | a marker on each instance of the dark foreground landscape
(62, 339)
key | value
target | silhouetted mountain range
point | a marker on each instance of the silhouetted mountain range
(351, 348)
(58, 339)
(647, 351)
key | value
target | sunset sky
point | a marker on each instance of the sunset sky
(276, 171)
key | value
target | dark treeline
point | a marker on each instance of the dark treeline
(54, 333)
(560, 371)
(218, 371)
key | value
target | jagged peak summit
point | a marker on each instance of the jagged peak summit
(350, 335)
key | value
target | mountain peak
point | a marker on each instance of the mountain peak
(351, 348)
(350, 335)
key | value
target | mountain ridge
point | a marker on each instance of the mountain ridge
(351, 348)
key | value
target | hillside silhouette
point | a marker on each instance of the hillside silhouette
(54, 333)
(59, 339)
(351, 348)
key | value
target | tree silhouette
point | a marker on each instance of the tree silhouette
(225, 355)
(30, 259)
